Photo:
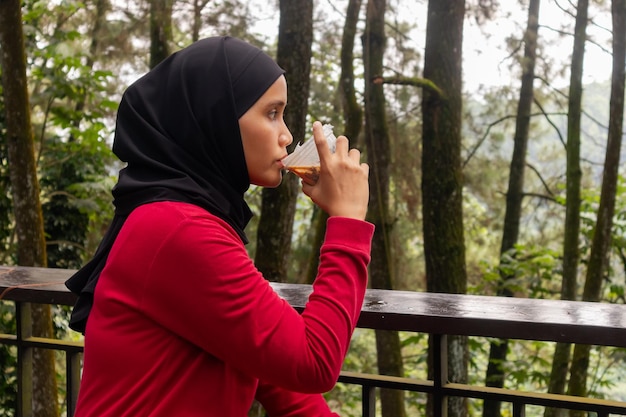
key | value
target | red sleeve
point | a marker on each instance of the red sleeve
(232, 312)
(278, 402)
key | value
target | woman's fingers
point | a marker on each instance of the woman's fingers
(342, 188)
(320, 142)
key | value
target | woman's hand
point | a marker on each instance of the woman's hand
(342, 188)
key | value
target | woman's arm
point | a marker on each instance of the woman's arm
(279, 402)
(231, 311)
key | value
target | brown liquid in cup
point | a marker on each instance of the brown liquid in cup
(309, 174)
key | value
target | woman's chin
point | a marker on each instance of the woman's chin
(270, 182)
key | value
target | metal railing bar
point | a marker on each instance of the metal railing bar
(72, 380)
(24, 361)
(8, 339)
(368, 398)
(43, 342)
(534, 398)
(517, 398)
(386, 381)
(439, 344)
(519, 409)
(55, 344)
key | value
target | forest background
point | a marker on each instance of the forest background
(493, 130)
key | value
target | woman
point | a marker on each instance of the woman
(181, 323)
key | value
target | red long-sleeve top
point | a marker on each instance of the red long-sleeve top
(183, 324)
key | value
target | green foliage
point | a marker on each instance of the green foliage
(529, 272)
(344, 398)
(71, 118)
(616, 271)
(6, 222)
(70, 113)
(66, 212)
(73, 99)
(8, 358)
(301, 237)
(8, 361)
(533, 270)
(617, 264)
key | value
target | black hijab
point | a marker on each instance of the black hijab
(177, 129)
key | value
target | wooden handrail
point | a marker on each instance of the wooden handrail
(439, 315)
(453, 314)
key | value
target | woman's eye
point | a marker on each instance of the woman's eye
(273, 114)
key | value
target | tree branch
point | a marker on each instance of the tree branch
(412, 81)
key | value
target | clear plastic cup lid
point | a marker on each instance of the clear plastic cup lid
(305, 155)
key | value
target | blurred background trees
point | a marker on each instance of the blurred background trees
(494, 144)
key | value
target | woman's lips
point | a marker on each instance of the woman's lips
(280, 161)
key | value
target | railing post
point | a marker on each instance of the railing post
(369, 400)
(72, 380)
(24, 360)
(440, 374)
(519, 409)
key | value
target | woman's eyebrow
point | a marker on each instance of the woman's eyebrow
(277, 102)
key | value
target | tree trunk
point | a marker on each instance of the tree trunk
(389, 355)
(196, 25)
(75, 227)
(352, 117)
(278, 205)
(160, 30)
(598, 259)
(571, 253)
(442, 192)
(295, 37)
(498, 349)
(102, 7)
(31, 249)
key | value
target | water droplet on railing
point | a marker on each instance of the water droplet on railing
(376, 303)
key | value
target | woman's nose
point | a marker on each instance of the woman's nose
(286, 137)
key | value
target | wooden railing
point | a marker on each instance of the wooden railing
(439, 315)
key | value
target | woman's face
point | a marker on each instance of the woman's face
(265, 136)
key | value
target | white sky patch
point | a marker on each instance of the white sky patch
(486, 60)
(485, 57)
